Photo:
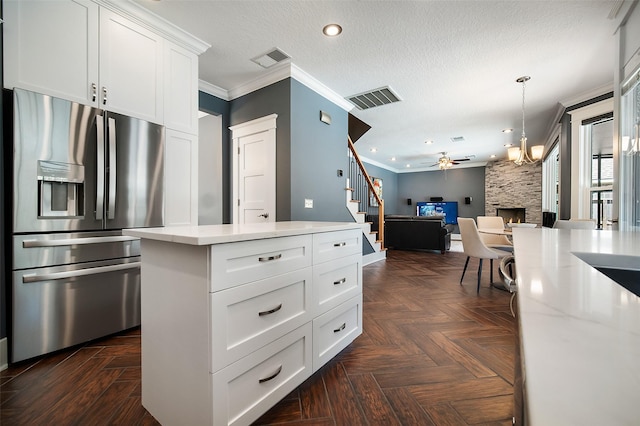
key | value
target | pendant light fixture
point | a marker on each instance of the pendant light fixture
(519, 155)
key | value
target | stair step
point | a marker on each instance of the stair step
(354, 201)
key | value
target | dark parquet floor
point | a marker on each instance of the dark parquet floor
(432, 353)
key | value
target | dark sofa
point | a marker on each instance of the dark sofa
(416, 232)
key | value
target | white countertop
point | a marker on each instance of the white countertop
(220, 234)
(580, 331)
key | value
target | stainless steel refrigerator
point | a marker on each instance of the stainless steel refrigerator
(79, 176)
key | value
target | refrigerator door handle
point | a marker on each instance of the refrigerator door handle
(32, 278)
(111, 207)
(100, 168)
(76, 241)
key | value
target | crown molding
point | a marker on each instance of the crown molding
(594, 93)
(149, 20)
(288, 70)
(318, 87)
(213, 90)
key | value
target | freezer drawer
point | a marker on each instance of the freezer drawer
(40, 250)
(58, 307)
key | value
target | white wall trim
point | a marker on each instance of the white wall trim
(594, 93)
(282, 71)
(581, 158)
(4, 354)
(157, 24)
(213, 90)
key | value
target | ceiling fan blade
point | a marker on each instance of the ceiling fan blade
(454, 162)
(462, 159)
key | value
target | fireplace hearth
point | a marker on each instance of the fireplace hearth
(513, 214)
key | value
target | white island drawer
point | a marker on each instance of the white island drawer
(238, 263)
(334, 245)
(247, 317)
(336, 282)
(334, 330)
(245, 390)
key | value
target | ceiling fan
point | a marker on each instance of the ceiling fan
(445, 162)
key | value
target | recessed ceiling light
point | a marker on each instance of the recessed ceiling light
(429, 142)
(393, 158)
(408, 165)
(507, 130)
(373, 150)
(493, 156)
(507, 145)
(332, 30)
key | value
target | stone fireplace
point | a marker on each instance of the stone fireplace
(513, 214)
(510, 187)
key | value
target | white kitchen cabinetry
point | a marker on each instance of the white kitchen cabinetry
(234, 317)
(77, 50)
(181, 178)
(180, 89)
(131, 67)
(52, 48)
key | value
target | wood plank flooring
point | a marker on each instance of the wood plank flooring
(432, 353)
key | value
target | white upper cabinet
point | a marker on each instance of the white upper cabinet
(130, 68)
(52, 48)
(112, 55)
(180, 88)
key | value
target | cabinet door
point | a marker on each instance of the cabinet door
(52, 47)
(181, 178)
(130, 68)
(180, 89)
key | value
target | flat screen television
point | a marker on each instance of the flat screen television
(448, 209)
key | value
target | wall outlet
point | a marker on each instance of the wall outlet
(308, 204)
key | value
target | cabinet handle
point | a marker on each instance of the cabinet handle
(270, 311)
(339, 329)
(271, 377)
(104, 95)
(267, 259)
(94, 92)
(340, 244)
(342, 281)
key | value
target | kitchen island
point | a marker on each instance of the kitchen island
(579, 330)
(234, 317)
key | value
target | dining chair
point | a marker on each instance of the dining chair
(575, 224)
(494, 240)
(473, 246)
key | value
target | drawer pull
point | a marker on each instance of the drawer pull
(342, 244)
(339, 329)
(267, 259)
(342, 281)
(270, 311)
(271, 377)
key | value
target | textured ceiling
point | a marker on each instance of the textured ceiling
(453, 63)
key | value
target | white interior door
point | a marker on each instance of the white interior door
(254, 175)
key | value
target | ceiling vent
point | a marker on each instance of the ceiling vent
(271, 58)
(457, 139)
(374, 98)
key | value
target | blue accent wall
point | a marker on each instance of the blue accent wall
(318, 151)
(308, 151)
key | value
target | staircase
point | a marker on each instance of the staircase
(379, 252)
(362, 200)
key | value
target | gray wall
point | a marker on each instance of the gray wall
(210, 191)
(318, 151)
(454, 185)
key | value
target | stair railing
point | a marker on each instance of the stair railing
(363, 190)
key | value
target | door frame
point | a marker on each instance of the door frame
(259, 125)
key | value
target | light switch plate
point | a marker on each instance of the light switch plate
(308, 204)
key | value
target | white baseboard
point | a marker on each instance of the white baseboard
(4, 354)
(455, 237)
(370, 258)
